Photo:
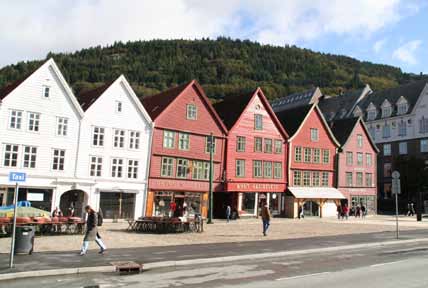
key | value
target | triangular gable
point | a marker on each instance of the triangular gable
(366, 130)
(386, 103)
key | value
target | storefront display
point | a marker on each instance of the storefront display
(117, 205)
(177, 204)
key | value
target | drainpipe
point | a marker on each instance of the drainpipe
(145, 193)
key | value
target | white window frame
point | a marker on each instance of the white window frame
(119, 106)
(277, 146)
(349, 179)
(257, 168)
(15, 118)
(117, 167)
(325, 178)
(134, 140)
(298, 154)
(360, 140)
(258, 144)
(306, 178)
(349, 158)
(402, 128)
(359, 179)
(267, 169)
(317, 155)
(183, 141)
(48, 89)
(277, 170)
(240, 143)
(10, 156)
(314, 135)
(119, 138)
(58, 160)
(61, 126)
(369, 160)
(182, 166)
(258, 122)
(29, 159)
(191, 112)
(167, 167)
(307, 155)
(325, 156)
(360, 159)
(240, 168)
(133, 168)
(297, 178)
(98, 136)
(33, 122)
(316, 179)
(387, 150)
(168, 139)
(95, 166)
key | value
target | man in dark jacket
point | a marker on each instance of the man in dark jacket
(91, 232)
(265, 218)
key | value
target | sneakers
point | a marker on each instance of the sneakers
(102, 251)
(82, 253)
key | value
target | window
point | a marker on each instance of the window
(182, 167)
(386, 131)
(314, 135)
(360, 140)
(168, 139)
(118, 106)
(424, 145)
(307, 155)
(15, 119)
(117, 168)
(386, 149)
(58, 159)
(369, 179)
(30, 155)
(278, 146)
(316, 178)
(258, 122)
(207, 144)
(240, 168)
(61, 126)
(277, 170)
(371, 115)
(360, 159)
(183, 141)
(134, 140)
(267, 165)
(258, 144)
(386, 111)
(372, 131)
(298, 154)
(423, 125)
(402, 108)
(349, 158)
(402, 128)
(98, 136)
(133, 169)
(306, 178)
(46, 91)
(317, 155)
(402, 147)
(240, 144)
(10, 158)
(326, 156)
(167, 167)
(119, 138)
(325, 176)
(257, 169)
(268, 145)
(369, 160)
(349, 179)
(33, 121)
(297, 178)
(387, 170)
(192, 112)
(359, 179)
(96, 166)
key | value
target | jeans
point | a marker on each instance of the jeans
(99, 242)
(266, 224)
(227, 217)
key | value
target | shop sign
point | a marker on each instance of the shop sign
(256, 187)
(182, 185)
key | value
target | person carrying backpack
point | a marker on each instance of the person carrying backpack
(92, 232)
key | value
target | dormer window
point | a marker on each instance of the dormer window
(402, 106)
(357, 112)
(46, 92)
(371, 115)
(192, 112)
(386, 109)
(118, 106)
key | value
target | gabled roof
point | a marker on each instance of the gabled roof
(344, 128)
(297, 99)
(156, 104)
(410, 91)
(87, 98)
(10, 87)
(293, 120)
(232, 107)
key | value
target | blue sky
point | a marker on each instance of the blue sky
(382, 31)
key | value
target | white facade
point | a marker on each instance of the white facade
(40, 118)
(116, 159)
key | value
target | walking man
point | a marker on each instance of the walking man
(91, 232)
(266, 219)
(228, 213)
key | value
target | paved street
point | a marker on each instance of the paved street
(389, 266)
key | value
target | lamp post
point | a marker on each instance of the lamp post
(211, 145)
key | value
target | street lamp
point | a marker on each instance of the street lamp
(211, 146)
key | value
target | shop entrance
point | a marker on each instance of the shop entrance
(177, 204)
(311, 209)
(73, 202)
(117, 205)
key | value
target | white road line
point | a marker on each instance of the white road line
(387, 263)
(164, 252)
(302, 276)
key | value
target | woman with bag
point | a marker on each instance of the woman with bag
(91, 232)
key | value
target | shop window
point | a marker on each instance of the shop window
(387, 190)
(258, 144)
(240, 144)
(257, 169)
(249, 202)
(424, 145)
(268, 145)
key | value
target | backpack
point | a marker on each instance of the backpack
(100, 218)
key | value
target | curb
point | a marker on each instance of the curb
(199, 261)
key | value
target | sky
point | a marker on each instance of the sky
(393, 32)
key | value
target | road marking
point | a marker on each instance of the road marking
(387, 263)
(164, 252)
(302, 276)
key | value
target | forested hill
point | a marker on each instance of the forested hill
(222, 66)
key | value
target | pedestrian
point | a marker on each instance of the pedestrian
(265, 219)
(339, 211)
(363, 210)
(57, 212)
(358, 211)
(228, 213)
(345, 211)
(91, 232)
(412, 208)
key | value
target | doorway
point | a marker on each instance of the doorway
(73, 202)
(311, 209)
(117, 205)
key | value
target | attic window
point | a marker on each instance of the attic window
(386, 111)
(46, 91)
(118, 106)
(192, 112)
(371, 115)
(402, 108)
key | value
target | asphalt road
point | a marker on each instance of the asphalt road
(401, 265)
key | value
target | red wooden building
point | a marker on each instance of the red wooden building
(312, 155)
(179, 167)
(255, 155)
(356, 171)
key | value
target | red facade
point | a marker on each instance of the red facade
(255, 153)
(179, 167)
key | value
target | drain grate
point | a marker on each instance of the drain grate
(127, 267)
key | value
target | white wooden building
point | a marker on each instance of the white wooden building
(114, 148)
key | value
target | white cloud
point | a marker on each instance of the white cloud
(378, 45)
(30, 29)
(406, 53)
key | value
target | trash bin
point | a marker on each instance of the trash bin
(24, 239)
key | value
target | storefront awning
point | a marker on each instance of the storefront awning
(316, 193)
